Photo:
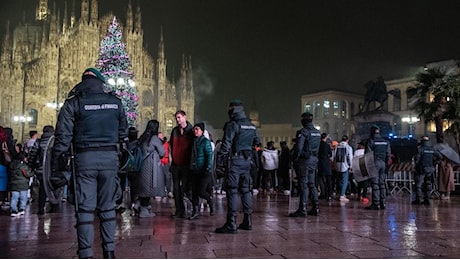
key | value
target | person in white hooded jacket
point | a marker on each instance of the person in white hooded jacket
(270, 160)
(342, 156)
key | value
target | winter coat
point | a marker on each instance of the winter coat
(324, 158)
(270, 159)
(181, 145)
(201, 155)
(150, 181)
(19, 176)
(446, 177)
(285, 159)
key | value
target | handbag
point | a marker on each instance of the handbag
(6, 152)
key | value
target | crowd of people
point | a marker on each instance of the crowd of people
(189, 166)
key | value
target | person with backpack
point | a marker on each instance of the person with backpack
(342, 158)
(306, 160)
(270, 163)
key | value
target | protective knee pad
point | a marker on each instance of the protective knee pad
(232, 191)
(85, 218)
(107, 215)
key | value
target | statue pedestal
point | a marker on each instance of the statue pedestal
(383, 119)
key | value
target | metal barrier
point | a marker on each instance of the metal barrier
(400, 178)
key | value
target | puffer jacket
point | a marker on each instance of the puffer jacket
(19, 175)
(202, 155)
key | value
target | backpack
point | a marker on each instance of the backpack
(340, 154)
(134, 160)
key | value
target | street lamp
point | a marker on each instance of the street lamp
(410, 120)
(121, 82)
(54, 105)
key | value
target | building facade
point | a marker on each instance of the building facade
(333, 111)
(43, 59)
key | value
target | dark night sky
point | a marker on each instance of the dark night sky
(268, 53)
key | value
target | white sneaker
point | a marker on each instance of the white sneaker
(444, 197)
(344, 199)
(287, 192)
(21, 212)
(255, 191)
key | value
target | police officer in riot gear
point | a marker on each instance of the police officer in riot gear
(96, 157)
(234, 161)
(306, 160)
(425, 161)
(382, 151)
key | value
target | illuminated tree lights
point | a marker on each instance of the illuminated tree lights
(114, 64)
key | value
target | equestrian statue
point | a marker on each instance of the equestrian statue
(377, 92)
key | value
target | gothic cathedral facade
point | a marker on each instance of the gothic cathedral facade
(41, 61)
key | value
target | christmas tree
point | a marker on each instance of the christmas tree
(115, 65)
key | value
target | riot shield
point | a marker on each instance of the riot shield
(54, 196)
(363, 167)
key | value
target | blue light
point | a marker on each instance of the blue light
(410, 136)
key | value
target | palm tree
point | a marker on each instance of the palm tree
(453, 109)
(431, 97)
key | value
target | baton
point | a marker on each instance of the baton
(74, 177)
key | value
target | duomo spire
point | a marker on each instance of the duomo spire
(42, 11)
(71, 45)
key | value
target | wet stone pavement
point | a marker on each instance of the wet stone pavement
(342, 230)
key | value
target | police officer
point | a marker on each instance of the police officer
(424, 168)
(234, 159)
(306, 160)
(381, 149)
(96, 157)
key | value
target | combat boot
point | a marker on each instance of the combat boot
(382, 205)
(301, 212)
(314, 211)
(372, 207)
(229, 227)
(247, 222)
(109, 254)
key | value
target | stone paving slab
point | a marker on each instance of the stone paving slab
(343, 230)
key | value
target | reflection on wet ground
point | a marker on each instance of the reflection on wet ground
(342, 230)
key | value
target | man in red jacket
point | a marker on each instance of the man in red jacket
(181, 143)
